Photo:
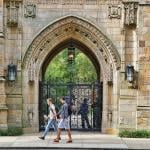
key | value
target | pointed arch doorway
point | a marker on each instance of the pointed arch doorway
(46, 45)
(84, 95)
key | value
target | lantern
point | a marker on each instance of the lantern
(71, 54)
(12, 72)
(129, 73)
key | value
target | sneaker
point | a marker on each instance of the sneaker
(42, 138)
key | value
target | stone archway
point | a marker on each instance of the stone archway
(61, 30)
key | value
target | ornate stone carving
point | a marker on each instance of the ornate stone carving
(71, 2)
(71, 27)
(114, 11)
(30, 10)
(12, 13)
(110, 78)
(31, 72)
(131, 13)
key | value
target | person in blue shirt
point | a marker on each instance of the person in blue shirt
(84, 113)
(63, 122)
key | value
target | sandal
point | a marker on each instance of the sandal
(69, 141)
(56, 140)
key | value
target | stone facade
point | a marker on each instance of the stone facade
(116, 32)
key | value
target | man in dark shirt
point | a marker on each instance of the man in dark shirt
(84, 113)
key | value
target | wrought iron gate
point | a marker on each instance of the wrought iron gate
(77, 93)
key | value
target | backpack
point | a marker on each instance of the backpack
(69, 102)
(69, 110)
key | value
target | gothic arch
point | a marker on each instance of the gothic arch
(44, 44)
(78, 29)
(77, 44)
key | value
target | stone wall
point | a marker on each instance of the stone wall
(136, 112)
(129, 34)
(143, 114)
(49, 11)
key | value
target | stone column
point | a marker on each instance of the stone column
(105, 107)
(112, 105)
(3, 107)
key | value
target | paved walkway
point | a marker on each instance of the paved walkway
(81, 140)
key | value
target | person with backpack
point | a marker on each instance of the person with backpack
(63, 122)
(84, 113)
(51, 118)
(68, 100)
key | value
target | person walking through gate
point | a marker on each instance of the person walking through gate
(84, 113)
(51, 118)
(63, 122)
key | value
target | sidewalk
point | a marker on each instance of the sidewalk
(81, 140)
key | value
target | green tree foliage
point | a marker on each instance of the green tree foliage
(82, 68)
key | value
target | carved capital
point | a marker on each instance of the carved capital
(130, 13)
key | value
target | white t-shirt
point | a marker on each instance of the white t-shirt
(52, 111)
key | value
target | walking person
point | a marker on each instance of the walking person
(63, 122)
(51, 118)
(84, 113)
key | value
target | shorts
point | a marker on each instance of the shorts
(64, 124)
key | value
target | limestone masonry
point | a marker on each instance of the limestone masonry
(116, 33)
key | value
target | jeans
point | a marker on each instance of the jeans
(84, 118)
(51, 122)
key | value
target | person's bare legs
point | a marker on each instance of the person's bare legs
(69, 135)
(58, 133)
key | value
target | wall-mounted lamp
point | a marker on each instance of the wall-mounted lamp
(12, 72)
(131, 75)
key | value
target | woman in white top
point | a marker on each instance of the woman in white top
(51, 118)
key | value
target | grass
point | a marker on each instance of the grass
(135, 134)
(13, 131)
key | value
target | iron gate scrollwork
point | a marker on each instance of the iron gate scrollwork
(78, 93)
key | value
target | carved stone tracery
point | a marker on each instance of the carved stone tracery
(12, 12)
(72, 27)
(131, 13)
